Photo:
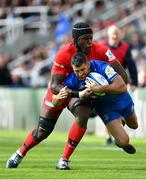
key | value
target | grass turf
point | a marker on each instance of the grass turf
(92, 159)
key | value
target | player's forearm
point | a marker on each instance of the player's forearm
(114, 88)
(56, 83)
(118, 68)
(117, 86)
(55, 88)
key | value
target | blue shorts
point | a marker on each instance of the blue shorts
(114, 111)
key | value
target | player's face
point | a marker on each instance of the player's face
(85, 43)
(82, 71)
(114, 37)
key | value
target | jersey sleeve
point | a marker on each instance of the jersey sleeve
(68, 81)
(60, 64)
(107, 55)
(110, 73)
(73, 82)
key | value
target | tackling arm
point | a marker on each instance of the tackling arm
(120, 70)
(56, 83)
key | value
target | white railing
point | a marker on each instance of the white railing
(12, 28)
(41, 23)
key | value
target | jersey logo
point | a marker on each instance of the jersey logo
(59, 65)
(49, 103)
(109, 71)
(110, 55)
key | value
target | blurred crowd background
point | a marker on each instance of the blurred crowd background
(32, 31)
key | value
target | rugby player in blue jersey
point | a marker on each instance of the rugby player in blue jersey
(115, 102)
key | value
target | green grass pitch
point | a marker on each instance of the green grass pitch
(92, 159)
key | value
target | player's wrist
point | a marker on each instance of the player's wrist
(81, 94)
(74, 94)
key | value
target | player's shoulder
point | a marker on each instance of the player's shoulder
(71, 80)
(99, 46)
(98, 66)
(67, 49)
(124, 44)
(71, 75)
(98, 63)
(65, 53)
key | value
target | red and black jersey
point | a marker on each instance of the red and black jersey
(123, 54)
(62, 62)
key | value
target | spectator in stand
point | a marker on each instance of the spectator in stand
(142, 78)
(122, 52)
(21, 75)
(137, 43)
(5, 77)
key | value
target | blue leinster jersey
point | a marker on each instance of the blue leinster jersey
(107, 72)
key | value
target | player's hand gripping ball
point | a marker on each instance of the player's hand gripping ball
(97, 79)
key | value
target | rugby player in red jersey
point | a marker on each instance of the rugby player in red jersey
(82, 41)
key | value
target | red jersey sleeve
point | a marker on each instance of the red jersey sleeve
(62, 62)
(106, 54)
(59, 65)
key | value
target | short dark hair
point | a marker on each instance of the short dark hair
(80, 29)
(78, 59)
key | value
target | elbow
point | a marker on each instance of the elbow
(53, 89)
(123, 88)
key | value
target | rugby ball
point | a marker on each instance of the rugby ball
(98, 79)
